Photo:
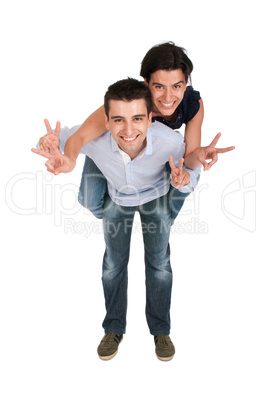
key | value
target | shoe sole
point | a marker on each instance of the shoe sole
(108, 357)
(165, 359)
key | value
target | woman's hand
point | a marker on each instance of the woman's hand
(57, 162)
(50, 136)
(204, 154)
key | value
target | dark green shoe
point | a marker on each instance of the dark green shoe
(108, 347)
(164, 347)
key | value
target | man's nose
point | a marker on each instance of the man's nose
(128, 129)
(168, 95)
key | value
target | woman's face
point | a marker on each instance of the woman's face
(167, 89)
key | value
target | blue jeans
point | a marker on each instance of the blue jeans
(94, 185)
(156, 220)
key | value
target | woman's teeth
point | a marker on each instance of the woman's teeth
(167, 104)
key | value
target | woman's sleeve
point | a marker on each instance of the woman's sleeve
(191, 104)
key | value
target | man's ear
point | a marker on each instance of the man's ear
(146, 82)
(106, 122)
(150, 119)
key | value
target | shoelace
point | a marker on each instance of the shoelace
(109, 339)
(163, 341)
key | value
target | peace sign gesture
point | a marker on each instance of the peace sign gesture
(50, 136)
(179, 176)
(57, 162)
(211, 152)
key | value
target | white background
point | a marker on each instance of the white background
(57, 60)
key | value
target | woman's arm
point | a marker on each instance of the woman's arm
(193, 138)
(195, 155)
(92, 128)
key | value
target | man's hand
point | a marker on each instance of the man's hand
(57, 162)
(203, 154)
(50, 136)
(179, 176)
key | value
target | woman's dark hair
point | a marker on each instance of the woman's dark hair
(127, 90)
(166, 56)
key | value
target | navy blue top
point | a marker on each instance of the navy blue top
(187, 109)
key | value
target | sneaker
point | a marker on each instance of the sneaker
(164, 347)
(108, 347)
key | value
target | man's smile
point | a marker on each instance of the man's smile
(130, 139)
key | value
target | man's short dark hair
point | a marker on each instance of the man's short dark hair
(166, 56)
(127, 90)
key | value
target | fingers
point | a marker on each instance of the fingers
(171, 163)
(41, 153)
(178, 175)
(181, 162)
(48, 126)
(174, 167)
(203, 162)
(212, 162)
(220, 150)
(50, 167)
(223, 150)
(180, 166)
(57, 129)
(214, 142)
(52, 147)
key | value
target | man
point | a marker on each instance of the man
(132, 156)
(166, 70)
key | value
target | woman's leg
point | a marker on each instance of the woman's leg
(92, 188)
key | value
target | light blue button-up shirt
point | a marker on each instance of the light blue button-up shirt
(143, 179)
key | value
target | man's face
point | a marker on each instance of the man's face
(128, 123)
(167, 90)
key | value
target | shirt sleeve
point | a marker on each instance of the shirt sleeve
(190, 104)
(194, 179)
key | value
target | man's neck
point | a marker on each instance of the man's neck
(134, 154)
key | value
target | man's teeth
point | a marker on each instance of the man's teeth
(129, 138)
